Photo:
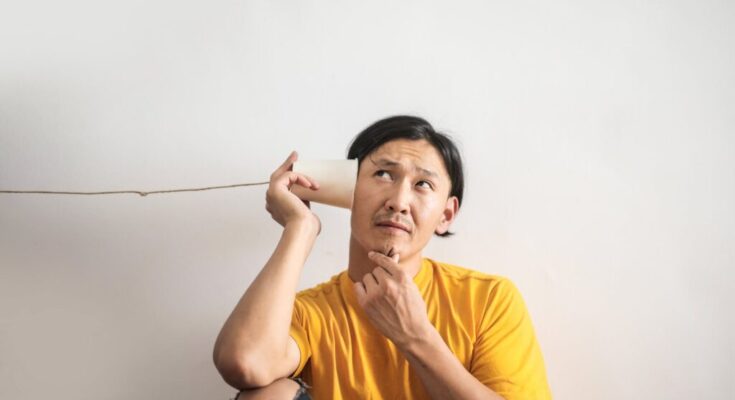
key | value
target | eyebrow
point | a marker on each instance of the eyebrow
(389, 163)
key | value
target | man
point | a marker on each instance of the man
(394, 325)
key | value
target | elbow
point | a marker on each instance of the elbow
(242, 372)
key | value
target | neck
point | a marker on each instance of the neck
(360, 264)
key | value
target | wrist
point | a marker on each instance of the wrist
(422, 343)
(308, 225)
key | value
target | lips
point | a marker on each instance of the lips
(394, 225)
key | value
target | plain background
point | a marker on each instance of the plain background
(598, 139)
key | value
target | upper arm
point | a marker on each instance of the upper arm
(293, 357)
(298, 349)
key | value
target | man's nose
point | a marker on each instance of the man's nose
(399, 198)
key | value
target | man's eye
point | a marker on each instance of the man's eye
(381, 171)
(428, 184)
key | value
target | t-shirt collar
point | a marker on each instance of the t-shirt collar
(422, 281)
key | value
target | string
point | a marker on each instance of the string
(138, 192)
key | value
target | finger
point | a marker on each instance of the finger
(303, 180)
(381, 275)
(295, 178)
(386, 262)
(371, 284)
(312, 183)
(286, 166)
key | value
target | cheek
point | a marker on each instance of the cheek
(429, 211)
(366, 195)
(363, 206)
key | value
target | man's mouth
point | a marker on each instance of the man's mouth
(391, 225)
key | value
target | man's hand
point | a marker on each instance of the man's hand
(395, 307)
(393, 303)
(284, 206)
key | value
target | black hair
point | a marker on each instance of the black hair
(411, 128)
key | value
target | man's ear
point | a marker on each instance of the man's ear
(450, 212)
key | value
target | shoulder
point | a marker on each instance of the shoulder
(321, 293)
(484, 287)
(467, 276)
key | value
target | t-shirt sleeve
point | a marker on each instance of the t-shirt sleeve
(299, 333)
(506, 357)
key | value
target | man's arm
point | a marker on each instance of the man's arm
(443, 376)
(394, 305)
(254, 348)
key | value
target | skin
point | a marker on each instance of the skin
(405, 181)
(390, 187)
(402, 180)
(253, 348)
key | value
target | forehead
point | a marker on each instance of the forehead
(417, 155)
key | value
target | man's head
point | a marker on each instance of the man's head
(409, 175)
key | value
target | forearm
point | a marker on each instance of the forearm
(443, 376)
(257, 329)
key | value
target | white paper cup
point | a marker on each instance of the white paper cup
(336, 180)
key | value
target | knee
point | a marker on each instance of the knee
(281, 389)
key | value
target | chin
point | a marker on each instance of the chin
(382, 243)
(392, 247)
(389, 247)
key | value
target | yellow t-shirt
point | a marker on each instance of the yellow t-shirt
(482, 318)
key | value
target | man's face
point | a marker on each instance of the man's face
(402, 183)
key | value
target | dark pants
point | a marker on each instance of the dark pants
(301, 394)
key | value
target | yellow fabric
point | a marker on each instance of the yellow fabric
(482, 318)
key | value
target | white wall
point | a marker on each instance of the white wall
(598, 139)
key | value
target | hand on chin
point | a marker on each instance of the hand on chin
(389, 248)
